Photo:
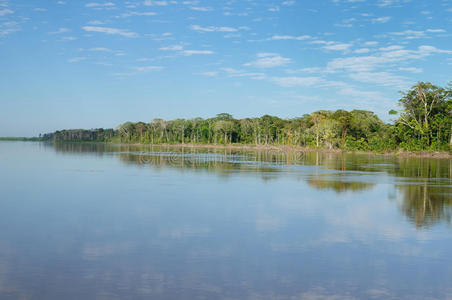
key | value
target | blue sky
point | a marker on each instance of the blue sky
(89, 64)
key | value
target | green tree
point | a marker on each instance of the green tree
(420, 105)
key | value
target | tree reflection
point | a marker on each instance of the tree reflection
(221, 164)
(426, 205)
(423, 204)
(339, 186)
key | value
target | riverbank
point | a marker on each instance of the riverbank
(287, 148)
(20, 139)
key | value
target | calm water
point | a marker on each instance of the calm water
(84, 221)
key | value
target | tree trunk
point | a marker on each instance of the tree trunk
(450, 142)
(183, 134)
(317, 137)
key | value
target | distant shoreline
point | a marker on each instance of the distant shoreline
(20, 139)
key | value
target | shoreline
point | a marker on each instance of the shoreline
(288, 148)
(401, 153)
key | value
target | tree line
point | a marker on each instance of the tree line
(424, 122)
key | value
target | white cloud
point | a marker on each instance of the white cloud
(388, 55)
(384, 3)
(288, 2)
(100, 49)
(410, 34)
(381, 20)
(241, 73)
(381, 78)
(95, 22)
(427, 50)
(172, 48)
(106, 64)
(155, 3)
(68, 38)
(108, 30)
(180, 49)
(306, 70)
(330, 45)
(9, 27)
(297, 81)
(411, 70)
(145, 69)
(95, 4)
(289, 37)
(239, 14)
(353, 92)
(362, 50)
(337, 46)
(160, 37)
(136, 13)
(371, 43)
(356, 63)
(198, 8)
(76, 59)
(139, 70)
(209, 74)
(197, 52)
(436, 30)
(269, 60)
(391, 48)
(346, 23)
(5, 11)
(348, 1)
(213, 28)
(60, 30)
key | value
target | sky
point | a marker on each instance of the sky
(90, 64)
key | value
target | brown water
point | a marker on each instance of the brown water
(90, 221)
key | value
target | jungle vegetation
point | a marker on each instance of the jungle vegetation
(423, 123)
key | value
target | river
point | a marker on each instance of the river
(94, 221)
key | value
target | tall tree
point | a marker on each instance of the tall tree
(420, 104)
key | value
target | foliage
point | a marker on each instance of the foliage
(23, 139)
(81, 135)
(424, 123)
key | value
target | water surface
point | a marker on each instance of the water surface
(93, 221)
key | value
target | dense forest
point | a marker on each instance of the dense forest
(424, 122)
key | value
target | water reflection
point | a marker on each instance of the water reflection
(424, 184)
(93, 221)
(426, 205)
(319, 182)
(406, 167)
